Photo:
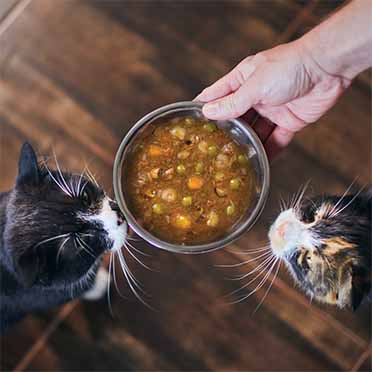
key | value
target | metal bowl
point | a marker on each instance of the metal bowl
(239, 131)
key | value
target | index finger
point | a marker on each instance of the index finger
(228, 83)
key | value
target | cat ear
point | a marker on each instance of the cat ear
(28, 168)
(28, 267)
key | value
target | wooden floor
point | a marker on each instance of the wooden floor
(74, 76)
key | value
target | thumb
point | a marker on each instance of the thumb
(236, 103)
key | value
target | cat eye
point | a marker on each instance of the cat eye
(85, 198)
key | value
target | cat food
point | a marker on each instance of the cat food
(188, 181)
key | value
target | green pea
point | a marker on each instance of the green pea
(186, 201)
(181, 169)
(219, 176)
(209, 127)
(212, 150)
(234, 184)
(199, 167)
(189, 121)
(242, 159)
(230, 209)
(158, 208)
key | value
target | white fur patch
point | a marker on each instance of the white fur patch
(109, 219)
(99, 288)
(288, 233)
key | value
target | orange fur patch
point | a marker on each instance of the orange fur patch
(334, 245)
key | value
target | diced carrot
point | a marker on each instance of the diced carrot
(155, 151)
(195, 182)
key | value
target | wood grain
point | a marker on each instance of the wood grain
(74, 77)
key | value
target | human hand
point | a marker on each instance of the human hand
(284, 84)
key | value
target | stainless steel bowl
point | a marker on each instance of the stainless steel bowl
(239, 130)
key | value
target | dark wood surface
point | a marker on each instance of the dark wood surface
(74, 76)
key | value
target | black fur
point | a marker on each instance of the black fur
(35, 272)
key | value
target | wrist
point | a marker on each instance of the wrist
(342, 45)
(330, 60)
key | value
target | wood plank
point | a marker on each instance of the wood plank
(235, 324)
(186, 340)
(84, 97)
(334, 131)
(129, 78)
(46, 90)
(24, 334)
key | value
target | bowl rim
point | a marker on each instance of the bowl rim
(181, 248)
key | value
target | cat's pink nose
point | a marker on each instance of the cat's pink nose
(282, 228)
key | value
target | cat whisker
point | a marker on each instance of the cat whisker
(343, 196)
(313, 204)
(272, 259)
(300, 196)
(251, 251)
(137, 250)
(263, 263)
(124, 265)
(78, 191)
(292, 200)
(245, 262)
(132, 282)
(60, 249)
(51, 239)
(72, 188)
(268, 289)
(109, 284)
(63, 189)
(114, 276)
(136, 258)
(295, 197)
(336, 212)
(84, 246)
(259, 286)
(281, 204)
(133, 239)
(234, 249)
(130, 274)
(91, 176)
(61, 175)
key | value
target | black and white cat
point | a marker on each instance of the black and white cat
(54, 229)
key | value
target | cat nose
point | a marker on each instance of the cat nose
(281, 229)
(115, 207)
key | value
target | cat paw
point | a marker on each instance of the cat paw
(99, 288)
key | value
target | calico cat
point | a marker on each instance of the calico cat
(326, 244)
(54, 229)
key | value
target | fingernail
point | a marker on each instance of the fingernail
(210, 109)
